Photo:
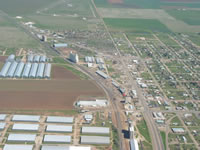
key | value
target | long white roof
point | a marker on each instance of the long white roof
(22, 137)
(58, 119)
(46, 147)
(28, 127)
(2, 117)
(95, 140)
(58, 128)
(95, 130)
(2, 125)
(17, 147)
(26, 118)
(57, 138)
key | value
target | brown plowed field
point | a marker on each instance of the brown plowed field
(3, 58)
(115, 1)
(55, 94)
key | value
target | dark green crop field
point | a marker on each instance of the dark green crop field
(148, 4)
(191, 17)
(23, 7)
(135, 25)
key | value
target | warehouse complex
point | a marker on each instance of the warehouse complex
(35, 67)
(32, 132)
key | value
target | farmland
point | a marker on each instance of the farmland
(191, 17)
(146, 4)
(135, 25)
(57, 94)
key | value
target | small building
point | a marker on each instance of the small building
(2, 125)
(17, 147)
(2, 117)
(74, 57)
(99, 61)
(102, 74)
(26, 118)
(59, 128)
(57, 119)
(57, 139)
(60, 45)
(178, 130)
(95, 130)
(25, 127)
(89, 59)
(95, 140)
(21, 137)
(88, 118)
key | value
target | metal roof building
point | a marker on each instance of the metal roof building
(58, 128)
(57, 119)
(2, 125)
(2, 117)
(18, 147)
(11, 57)
(12, 69)
(94, 103)
(25, 127)
(30, 58)
(40, 71)
(60, 45)
(26, 70)
(102, 74)
(57, 138)
(95, 140)
(19, 70)
(36, 58)
(95, 130)
(5, 69)
(22, 137)
(46, 147)
(99, 61)
(47, 71)
(26, 118)
(33, 70)
(43, 58)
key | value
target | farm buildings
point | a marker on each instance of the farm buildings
(26, 130)
(95, 140)
(93, 103)
(38, 69)
(95, 130)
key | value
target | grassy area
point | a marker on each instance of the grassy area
(21, 7)
(163, 135)
(146, 76)
(135, 25)
(75, 71)
(191, 17)
(59, 60)
(115, 139)
(153, 4)
(144, 131)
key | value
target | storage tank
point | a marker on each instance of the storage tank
(19, 70)
(26, 70)
(5, 69)
(12, 69)
(33, 70)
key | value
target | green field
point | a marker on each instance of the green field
(135, 25)
(23, 7)
(147, 4)
(191, 17)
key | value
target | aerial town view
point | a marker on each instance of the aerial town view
(99, 74)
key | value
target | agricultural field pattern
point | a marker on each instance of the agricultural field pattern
(126, 70)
